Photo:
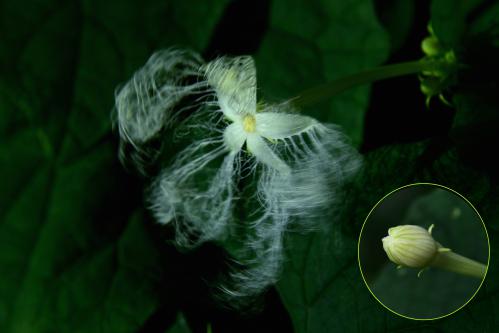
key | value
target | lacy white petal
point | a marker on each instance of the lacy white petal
(302, 182)
(282, 125)
(257, 146)
(234, 136)
(145, 104)
(234, 80)
(321, 162)
(198, 199)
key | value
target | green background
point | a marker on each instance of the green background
(78, 251)
(435, 293)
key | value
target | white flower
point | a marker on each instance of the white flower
(300, 164)
(236, 91)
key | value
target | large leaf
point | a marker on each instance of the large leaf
(77, 251)
(475, 99)
(312, 43)
(397, 17)
(322, 286)
(74, 257)
(450, 19)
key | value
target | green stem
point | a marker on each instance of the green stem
(457, 263)
(330, 89)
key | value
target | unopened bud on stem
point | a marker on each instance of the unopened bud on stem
(413, 246)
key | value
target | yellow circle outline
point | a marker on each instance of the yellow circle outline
(486, 234)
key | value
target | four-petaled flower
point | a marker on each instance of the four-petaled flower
(300, 163)
(235, 84)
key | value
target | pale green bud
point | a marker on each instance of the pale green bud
(414, 246)
(431, 46)
(410, 246)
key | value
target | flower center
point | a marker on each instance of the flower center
(249, 123)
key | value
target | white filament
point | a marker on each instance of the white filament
(300, 164)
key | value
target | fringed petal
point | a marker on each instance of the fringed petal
(302, 167)
(197, 193)
(276, 126)
(321, 162)
(145, 104)
(234, 137)
(234, 80)
(257, 146)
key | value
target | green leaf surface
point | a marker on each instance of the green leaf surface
(397, 17)
(322, 286)
(448, 20)
(75, 253)
(452, 21)
(309, 43)
(475, 98)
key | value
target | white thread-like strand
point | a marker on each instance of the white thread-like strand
(144, 105)
(300, 164)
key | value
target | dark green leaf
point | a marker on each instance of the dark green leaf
(322, 286)
(397, 17)
(308, 44)
(74, 257)
(448, 19)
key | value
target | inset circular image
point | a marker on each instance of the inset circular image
(423, 251)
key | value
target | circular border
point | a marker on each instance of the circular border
(486, 234)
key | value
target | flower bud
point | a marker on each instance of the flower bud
(431, 46)
(410, 246)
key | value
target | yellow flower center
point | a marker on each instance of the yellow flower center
(249, 123)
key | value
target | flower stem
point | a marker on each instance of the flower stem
(457, 263)
(330, 89)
